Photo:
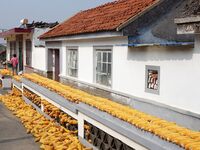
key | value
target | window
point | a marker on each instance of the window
(28, 52)
(152, 79)
(103, 66)
(72, 62)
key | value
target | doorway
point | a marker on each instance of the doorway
(54, 64)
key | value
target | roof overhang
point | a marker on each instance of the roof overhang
(85, 36)
(188, 25)
(14, 31)
(160, 44)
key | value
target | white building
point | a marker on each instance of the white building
(23, 41)
(132, 51)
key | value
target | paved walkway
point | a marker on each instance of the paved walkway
(12, 133)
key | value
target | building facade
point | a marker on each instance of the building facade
(138, 57)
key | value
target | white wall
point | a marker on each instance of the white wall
(39, 53)
(179, 70)
(179, 74)
(39, 58)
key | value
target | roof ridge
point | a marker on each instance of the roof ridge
(102, 5)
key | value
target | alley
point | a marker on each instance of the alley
(12, 133)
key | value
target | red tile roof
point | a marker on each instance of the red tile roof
(14, 31)
(107, 17)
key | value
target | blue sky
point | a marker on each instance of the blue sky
(12, 11)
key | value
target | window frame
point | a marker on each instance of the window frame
(102, 49)
(156, 68)
(72, 48)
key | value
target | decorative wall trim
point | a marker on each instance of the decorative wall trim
(156, 68)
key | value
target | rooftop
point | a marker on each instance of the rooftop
(107, 17)
(41, 24)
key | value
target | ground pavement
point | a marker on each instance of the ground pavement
(12, 133)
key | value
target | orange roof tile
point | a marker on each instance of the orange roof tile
(107, 17)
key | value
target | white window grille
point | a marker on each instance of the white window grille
(104, 67)
(152, 79)
(72, 62)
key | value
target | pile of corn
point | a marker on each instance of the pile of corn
(51, 110)
(51, 136)
(55, 86)
(61, 117)
(4, 72)
(87, 133)
(32, 97)
(168, 131)
(16, 92)
(17, 77)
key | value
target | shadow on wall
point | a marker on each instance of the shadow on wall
(160, 53)
(97, 91)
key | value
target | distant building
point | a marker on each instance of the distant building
(24, 42)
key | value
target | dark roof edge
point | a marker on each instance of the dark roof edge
(14, 30)
(161, 44)
(191, 19)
